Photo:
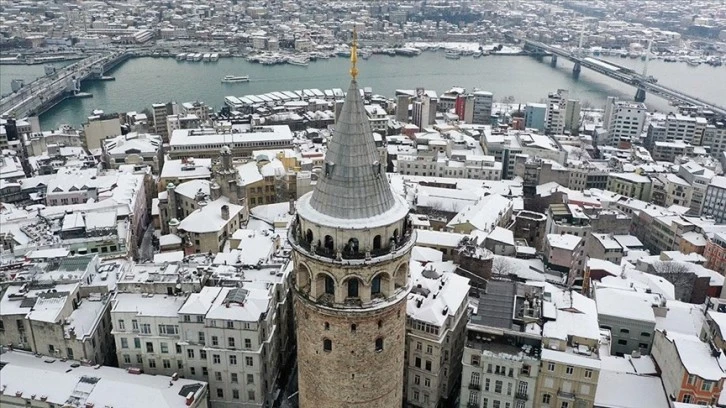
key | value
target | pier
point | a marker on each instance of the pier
(644, 84)
(43, 93)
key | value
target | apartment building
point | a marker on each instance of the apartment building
(698, 177)
(482, 109)
(236, 337)
(136, 149)
(500, 363)
(455, 165)
(669, 189)
(624, 121)
(435, 323)
(677, 127)
(714, 136)
(691, 370)
(630, 185)
(629, 317)
(146, 332)
(377, 118)
(570, 365)
(535, 115)
(241, 139)
(715, 253)
(714, 202)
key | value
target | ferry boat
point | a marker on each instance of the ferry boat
(232, 79)
(198, 57)
(299, 61)
(181, 57)
(453, 54)
(190, 56)
(206, 57)
(214, 57)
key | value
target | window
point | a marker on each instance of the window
(152, 363)
(429, 349)
(127, 359)
(250, 378)
(353, 288)
(419, 346)
(134, 325)
(178, 349)
(230, 342)
(121, 324)
(124, 342)
(473, 398)
(691, 379)
(569, 370)
(220, 393)
(329, 286)
(230, 324)
(551, 366)
(327, 345)
(139, 359)
(149, 347)
(249, 361)
(707, 385)
(427, 382)
(428, 365)
(546, 398)
(376, 285)
(203, 354)
(353, 327)
(565, 404)
(215, 341)
(509, 389)
(623, 342)
(624, 331)
(588, 373)
(233, 360)
(218, 376)
(251, 395)
(417, 380)
(235, 394)
(496, 404)
(205, 372)
(417, 362)
(164, 348)
(233, 377)
(248, 343)
(498, 386)
(146, 328)
(166, 363)
(190, 353)
(201, 337)
(379, 344)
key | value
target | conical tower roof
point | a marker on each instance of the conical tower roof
(353, 184)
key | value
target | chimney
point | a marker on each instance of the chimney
(190, 399)
(225, 212)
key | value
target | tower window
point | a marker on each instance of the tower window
(327, 326)
(327, 345)
(380, 324)
(353, 327)
(309, 236)
(377, 242)
(376, 285)
(329, 243)
(379, 344)
(352, 246)
(329, 285)
(353, 288)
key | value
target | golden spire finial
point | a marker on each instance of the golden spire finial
(354, 55)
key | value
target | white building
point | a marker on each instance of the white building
(624, 121)
(134, 148)
(435, 322)
(714, 203)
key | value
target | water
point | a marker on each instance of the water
(143, 81)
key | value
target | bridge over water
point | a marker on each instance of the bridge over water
(643, 84)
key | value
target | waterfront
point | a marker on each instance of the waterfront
(143, 81)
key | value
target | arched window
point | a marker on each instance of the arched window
(353, 327)
(327, 345)
(376, 285)
(309, 236)
(329, 285)
(329, 244)
(353, 288)
(352, 245)
(380, 324)
(327, 326)
(379, 344)
(377, 242)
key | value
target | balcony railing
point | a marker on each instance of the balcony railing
(475, 386)
(564, 394)
(521, 395)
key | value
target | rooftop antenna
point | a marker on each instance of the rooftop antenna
(354, 55)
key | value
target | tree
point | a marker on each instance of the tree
(502, 266)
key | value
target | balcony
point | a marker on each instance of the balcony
(521, 395)
(475, 386)
(564, 394)
(472, 405)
